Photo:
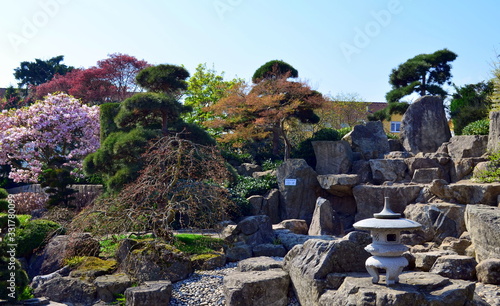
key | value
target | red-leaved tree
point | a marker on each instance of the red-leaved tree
(112, 80)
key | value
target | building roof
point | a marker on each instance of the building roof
(375, 106)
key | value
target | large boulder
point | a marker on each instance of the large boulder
(333, 157)
(325, 220)
(68, 290)
(267, 204)
(456, 267)
(247, 169)
(151, 293)
(424, 127)
(59, 247)
(262, 263)
(370, 198)
(299, 188)
(310, 263)
(109, 286)
(289, 239)
(388, 170)
(466, 192)
(441, 162)
(253, 230)
(439, 220)
(151, 261)
(463, 168)
(483, 225)
(494, 134)
(467, 146)
(257, 288)
(296, 226)
(414, 288)
(488, 271)
(338, 184)
(369, 140)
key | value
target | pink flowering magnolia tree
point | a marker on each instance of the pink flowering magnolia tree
(59, 126)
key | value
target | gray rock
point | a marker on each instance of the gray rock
(151, 261)
(488, 271)
(247, 169)
(151, 293)
(238, 251)
(255, 202)
(456, 267)
(269, 249)
(332, 157)
(271, 205)
(253, 230)
(467, 146)
(295, 226)
(388, 170)
(260, 174)
(424, 127)
(417, 163)
(494, 134)
(414, 288)
(395, 145)
(370, 198)
(466, 192)
(483, 226)
(338, 184)
(325, 220)
(427, 175)
(310, 263)
(257, 288)
(398, 154)
(108, 286)
(124, 248)
(369, 140)
(425, 260)
(68, 290)
(51, 258)
(464, 167)
(297, 201)
(262, 263)
(363, 170)
(439, 220)
(290, 240)
(457, 245)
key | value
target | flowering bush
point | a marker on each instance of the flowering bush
(26, 202)
(58, 127)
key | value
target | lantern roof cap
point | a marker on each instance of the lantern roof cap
(386, 220)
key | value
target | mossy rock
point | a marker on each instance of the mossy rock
(208, 261)
(154, 260)
(92, 267)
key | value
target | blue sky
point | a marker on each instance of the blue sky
(337, 46)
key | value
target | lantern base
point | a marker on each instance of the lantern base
(392, 265)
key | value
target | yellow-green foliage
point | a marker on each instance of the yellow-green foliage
(197, 244)
(90, 263)
(492, 173)
(74, 261)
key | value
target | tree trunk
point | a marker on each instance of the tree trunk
(276, 139)
(422, 87)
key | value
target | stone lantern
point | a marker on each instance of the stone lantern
(386, 247)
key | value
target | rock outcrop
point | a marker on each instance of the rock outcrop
(369, 140)
(483, 225)
(333, 157)
(414, 288)
(424, 127)
(325, 220)
(298, 198)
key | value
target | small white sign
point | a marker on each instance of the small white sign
(290, 182)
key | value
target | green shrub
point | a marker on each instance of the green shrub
(21, 279)
(270, 164)
(247, 186)
(35, 234)
(492, 173)
(480, 127)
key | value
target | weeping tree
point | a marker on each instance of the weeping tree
(180, 180)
